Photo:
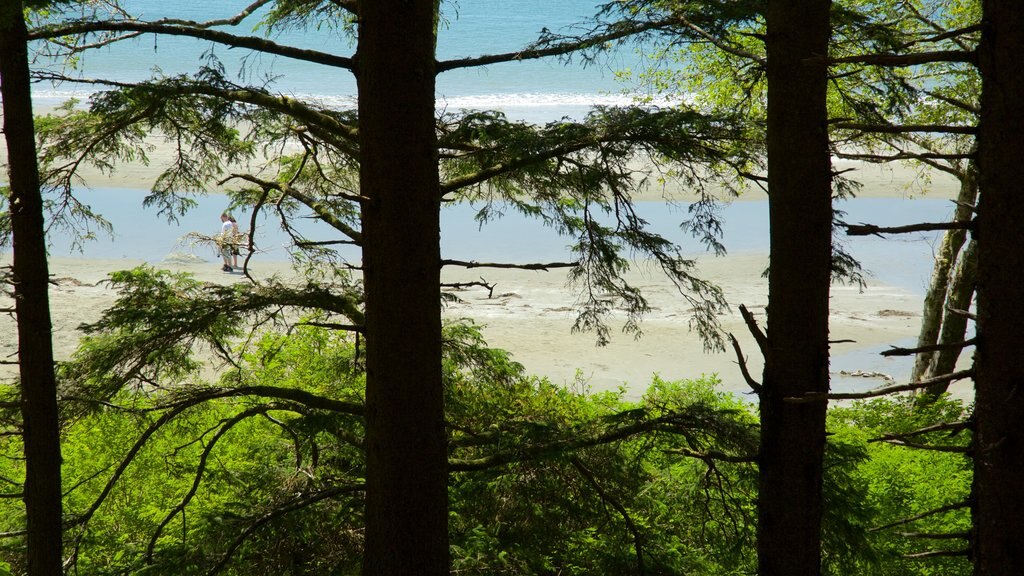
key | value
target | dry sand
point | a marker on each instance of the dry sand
(531, 314)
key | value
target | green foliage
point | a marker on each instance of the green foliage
(903, 482)
(262, 473)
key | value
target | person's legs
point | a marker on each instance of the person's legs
(225, 253)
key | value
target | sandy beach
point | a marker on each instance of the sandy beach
(531, 313)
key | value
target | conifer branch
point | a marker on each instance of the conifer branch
(193, 31)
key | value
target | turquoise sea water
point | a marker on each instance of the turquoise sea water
(537, 90)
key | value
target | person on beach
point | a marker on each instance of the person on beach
(236, 237)
(226, 234)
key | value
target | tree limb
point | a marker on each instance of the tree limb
(922, 515)
(820, 396)
(538, 266)
(755, 330)
(167, 28)
(901, 129)
(896, 351)
(741, 360)
(872, 229)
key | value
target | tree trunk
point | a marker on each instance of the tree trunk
(406, 478)
(954, 322)
(999, 381)
(796, 359)
(41, 433)
(934, 309)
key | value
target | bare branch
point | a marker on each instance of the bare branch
(742, 361)
(542, 267)
(881, 158)
(942, 427)
(938, 553)
(906, 128)
(922, 515)
(755, 330)
(336, 326)
(712, 455)
(820, 396)
(869, 229)
(932, 447)
(936, 536)
(630, 525)
(902, 60)
(535, 51)
(896, 351)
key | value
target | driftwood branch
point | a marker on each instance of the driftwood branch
(896, 351)
(820, 396)
(480, 283)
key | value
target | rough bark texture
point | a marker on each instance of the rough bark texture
(941, 286)
(999, 383)
(406, 501)
(30, 273)
(796, 362)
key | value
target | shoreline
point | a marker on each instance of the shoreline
(531, 313)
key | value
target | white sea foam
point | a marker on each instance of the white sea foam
(532, 106)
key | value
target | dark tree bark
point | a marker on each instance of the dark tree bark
(999, 383)
(406, 501)
(41, 435)
(796, 358)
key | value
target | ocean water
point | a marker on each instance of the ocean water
(537, 90)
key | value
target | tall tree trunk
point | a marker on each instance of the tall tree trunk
(796, 359)
(30, 274)
(999, 381)
(406, 478)
(954, 322)
(934, 309)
